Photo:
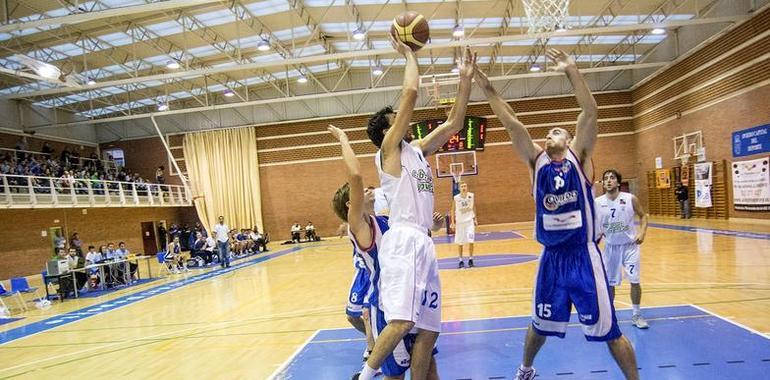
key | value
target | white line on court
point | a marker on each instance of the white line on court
(289, 360)
(730, 321)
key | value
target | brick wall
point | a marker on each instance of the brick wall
(24, 251)
(143, 156)
(716, 124)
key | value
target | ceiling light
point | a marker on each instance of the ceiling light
(658, 31)
(458, 31)
(263, 46)
(229, 93)
(173, 65)
(534, 68)
(359, 34)
(90, 81)
(302, 79)
(163, 107)
(377, 70)
(455, 69)
(45, 70)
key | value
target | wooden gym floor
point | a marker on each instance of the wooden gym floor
(248, 322)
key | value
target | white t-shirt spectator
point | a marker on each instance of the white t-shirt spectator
(222, 231)
(121, 253)
(309, 227)
(210, 244)
(93, 257)
(295, 228)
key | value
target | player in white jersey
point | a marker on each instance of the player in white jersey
(570, 271)
(463, 217)
(410, 289)
(616, 211)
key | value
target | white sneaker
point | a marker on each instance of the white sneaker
(639, 321)
(525, 375)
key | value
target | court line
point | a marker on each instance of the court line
(291, 358)
(738, 324)
(134, 298)
(720, 232)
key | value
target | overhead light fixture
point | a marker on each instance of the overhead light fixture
(45, 70)
(302, 79)
(263, 45)
(458, 31)
(359, 34)
(377, 70)
(535, 68)
(455, 69)
(163, 107)
(173, 65)
(229, 93)
(90, 81)
(658, 31)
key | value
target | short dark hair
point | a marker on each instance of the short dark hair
(122, 242)
(91, 247)
(377, 124)
(614, 172)
(340, 201)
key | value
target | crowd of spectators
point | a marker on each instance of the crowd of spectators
(70, 170)
(204, 249)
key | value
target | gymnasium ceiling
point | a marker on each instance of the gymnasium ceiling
(125, 47)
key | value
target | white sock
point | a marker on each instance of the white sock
(525, 368)
(367, 373)
(637, 309)
(461, 259)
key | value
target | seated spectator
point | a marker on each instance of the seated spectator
(174, 257)
(258, 240)
(199, 252)
(59, 241)
(122, 253)
(295, 229)
(310, 232)
(210, 247)
(244, 243)
(47, 149)
(159, 175)
(93, 257)
(77, 263)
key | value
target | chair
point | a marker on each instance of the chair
(20, 285)
(163, 263)
(5, 294)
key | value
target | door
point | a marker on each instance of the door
(149, 242)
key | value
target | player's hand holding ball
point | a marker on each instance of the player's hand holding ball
(410, 29)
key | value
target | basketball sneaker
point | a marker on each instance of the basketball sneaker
(470, 263)
(525, 375)
(639, 321)
(461, 265)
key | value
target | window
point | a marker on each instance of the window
(115, 154)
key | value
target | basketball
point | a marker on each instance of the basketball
(412, 29)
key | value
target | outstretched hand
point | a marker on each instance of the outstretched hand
(338, 134)
(467, 65)
(480, 76)
(560, 59)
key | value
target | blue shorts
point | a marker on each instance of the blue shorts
(359, 291)
(400, 359)
(573, 275)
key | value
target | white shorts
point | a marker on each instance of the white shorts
(465, 232)
(410, 288)
(619, 258)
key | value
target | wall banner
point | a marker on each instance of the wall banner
(751, 185)
(703, 174)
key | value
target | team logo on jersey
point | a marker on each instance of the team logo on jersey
(566, 167)
(424, 180)
(615, 227)
(553, 201)
(558, 183)
(622, 202)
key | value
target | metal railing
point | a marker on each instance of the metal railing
(74, 161)
(17, 191)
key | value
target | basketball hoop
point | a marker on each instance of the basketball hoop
(545, 15)
(441, 89)
(456, 164)
(457, 170)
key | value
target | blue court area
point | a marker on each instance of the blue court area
(494, 260)
(683, 342)
(481, 236)
(731, 233)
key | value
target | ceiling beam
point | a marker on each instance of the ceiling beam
(357, 92)
(193, 73)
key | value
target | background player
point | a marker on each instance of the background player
(616, 210)
(463, 217)
(410, 289)
(570, 270)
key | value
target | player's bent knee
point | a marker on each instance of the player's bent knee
(401, 325)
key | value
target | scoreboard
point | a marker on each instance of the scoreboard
(471, 137)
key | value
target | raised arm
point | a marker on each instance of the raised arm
(586, 130)
(522, 142)
(639, 211)
(391, 144)
(357, 221)
(456, 118)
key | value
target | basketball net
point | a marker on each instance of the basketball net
(545, 15)
(456, 169)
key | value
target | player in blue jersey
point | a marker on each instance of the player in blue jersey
(571, 270)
